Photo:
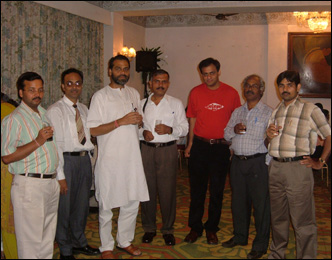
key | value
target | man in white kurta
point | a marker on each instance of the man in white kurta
(119, 174)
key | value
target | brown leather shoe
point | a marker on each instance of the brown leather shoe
(192, 237)
(212, 238)
(132, 250)
(107, 255)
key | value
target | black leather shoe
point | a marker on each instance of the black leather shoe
(255, 254)
(148, 237)
(231, 243)
(86, 250)
(192, 237)
(169, 239)
(67, 257)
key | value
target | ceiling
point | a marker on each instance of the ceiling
(151, 14)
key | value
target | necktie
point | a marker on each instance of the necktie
(79, 126)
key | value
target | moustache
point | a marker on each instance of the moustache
(36, 98)
(162, 88)
(250, 92)
(285, 93)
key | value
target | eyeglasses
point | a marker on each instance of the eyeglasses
(71, 84)
(251, 86)
(33, 91)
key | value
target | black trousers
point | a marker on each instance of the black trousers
(74, 206)
(208, 166)
(250, 188)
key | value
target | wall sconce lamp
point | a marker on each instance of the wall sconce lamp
(129, 53)
(316, 21)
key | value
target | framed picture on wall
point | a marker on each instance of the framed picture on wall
(310, 55)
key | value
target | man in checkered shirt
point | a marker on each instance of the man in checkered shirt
(292, 134)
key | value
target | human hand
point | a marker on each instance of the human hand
(162, 129)
(310, 163)
(240, 129)
(132, 118)
(187, 151)
(63, 187)
(272, 131)
(44, 134)
(148, 136)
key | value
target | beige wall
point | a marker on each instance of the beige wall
(241, 50)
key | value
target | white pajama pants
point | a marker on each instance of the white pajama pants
(126, 226)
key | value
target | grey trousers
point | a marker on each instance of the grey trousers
(74, 206)
(291, 192)
(160, 167)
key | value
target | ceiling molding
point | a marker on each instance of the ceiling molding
(153, 14)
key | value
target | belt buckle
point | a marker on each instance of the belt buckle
(82, 153)
(158, 145)
(212, 141)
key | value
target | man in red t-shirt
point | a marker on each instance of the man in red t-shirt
(209, 108)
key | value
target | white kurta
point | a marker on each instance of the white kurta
(119, 174)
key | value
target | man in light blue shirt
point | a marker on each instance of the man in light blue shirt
(249, 173)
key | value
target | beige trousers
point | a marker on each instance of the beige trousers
(35, 203)
(291, 194)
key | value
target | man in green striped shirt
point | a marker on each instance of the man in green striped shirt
(27, 146)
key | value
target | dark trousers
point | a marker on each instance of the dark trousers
(160, 167)
(74, 206)
(249, 181)
(207, 163)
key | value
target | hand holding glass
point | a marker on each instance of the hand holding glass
(244, 127)
(46, 124)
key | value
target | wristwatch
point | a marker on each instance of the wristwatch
(171, 131)
(322, 160)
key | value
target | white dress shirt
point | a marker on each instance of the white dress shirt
(171, 112)
(62, 117)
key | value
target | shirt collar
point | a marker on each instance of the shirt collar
(165, 97)
(258, 106)
(68, 101)
(29, 109)
(296, 100)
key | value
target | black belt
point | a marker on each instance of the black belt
(212, 141)
(247, 157)
(289, 159)
(82, 153)
(159, 144)
(39, 175)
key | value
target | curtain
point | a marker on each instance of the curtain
(47, 41)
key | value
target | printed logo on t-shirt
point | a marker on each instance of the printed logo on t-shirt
(214, 107)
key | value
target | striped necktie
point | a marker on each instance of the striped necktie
(79, 126)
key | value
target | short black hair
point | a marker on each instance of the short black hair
(207, 62)
(29, 76)
(68, 71)
(159, 72)
(290, 75)
(117, 57)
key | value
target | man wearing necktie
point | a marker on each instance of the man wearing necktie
(68, 117)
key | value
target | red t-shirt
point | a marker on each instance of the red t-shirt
(212, 109)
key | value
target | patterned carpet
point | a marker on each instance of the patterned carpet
(200, 249)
